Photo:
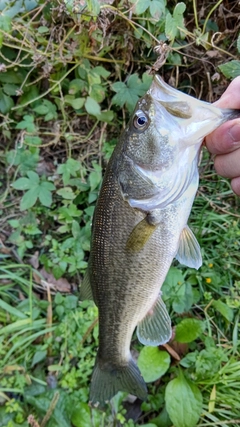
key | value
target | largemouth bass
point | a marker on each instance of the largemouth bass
(140, 225)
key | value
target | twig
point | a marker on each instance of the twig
(50, 409)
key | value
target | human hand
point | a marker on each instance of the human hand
(225, 140)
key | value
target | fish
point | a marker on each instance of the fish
(140, 226)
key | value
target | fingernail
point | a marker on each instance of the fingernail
(234, 133)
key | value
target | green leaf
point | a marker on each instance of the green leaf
(140, 6)
(129, 93)
(173, 23)
(32, 140)
(27, 123)
(238, 43)
(77, 103)
(183, 298)
(92, 107)
(38, 357)
(157, 8)
(22, 184)
(66, 193)
(231, 69)
(5, 23)
(76, 86)
(6, 102)
(174, 277)
(162, 420)
(12, 77)
(224, 309)
(41, 109)
(153, 363)
(45, 196)
(95, 176)
(93, 7)
(81, 416)
(179, 11)
(41, 403)
(179, 293)
(46, 185)
(29, 199)
(188, 330)
(183, 402)
(106, 116)
(76, 229)
(101, 71)
(170, 27)
(12, 310)
(97, 92)
(10, 89)
(68, 169)
(178, 17)
(34, 178)
(43, 29)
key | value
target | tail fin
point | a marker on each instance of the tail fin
(106, 383)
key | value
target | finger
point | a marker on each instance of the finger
(235, 183)
(230, 98)
(228, 165)
(224, 139)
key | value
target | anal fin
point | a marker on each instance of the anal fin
(189, 252)
(85, 290)
(155, 329)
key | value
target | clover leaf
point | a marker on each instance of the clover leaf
(36, 189)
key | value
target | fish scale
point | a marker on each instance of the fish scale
(140, 225)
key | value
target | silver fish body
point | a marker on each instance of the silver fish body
(140, 225)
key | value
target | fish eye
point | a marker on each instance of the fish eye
(140, 120)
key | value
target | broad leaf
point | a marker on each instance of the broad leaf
(66, 193)
(33, 177)
(45, 196)
(22, 184)
(68, 169)
(83, 416)
(188, 330)
(153, 363)
(130, 92)
(29, 199)
(27, 123)
(223, 308)
(157, 8)
(231, 69)
(140, 6)
(92, 107)
(6, 102)
(183, 402)
(174, 23)
(238, 43)
(78, 103)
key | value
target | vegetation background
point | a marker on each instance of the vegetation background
(71, 72)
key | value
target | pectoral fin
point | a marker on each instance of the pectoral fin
(155, 329)
(189, 252)
(140, 235)
(85, 290)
